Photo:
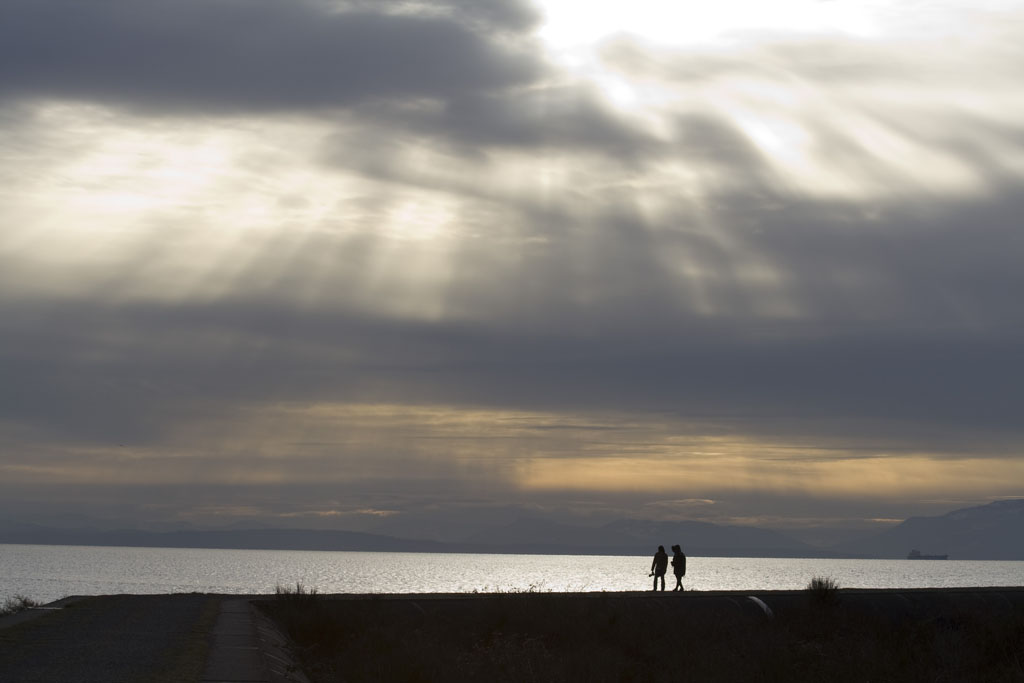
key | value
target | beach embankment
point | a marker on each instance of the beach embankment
(836, 635)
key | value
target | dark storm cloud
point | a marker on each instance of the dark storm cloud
(223, 55)
(671, 276)
(901, 308)
(914, 329)
(549, 117)
(445, 71)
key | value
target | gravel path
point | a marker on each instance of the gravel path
(130, 638)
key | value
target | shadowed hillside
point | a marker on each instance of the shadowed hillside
(810, 635)
(988, 532)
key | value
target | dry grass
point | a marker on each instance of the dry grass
(299, 592)
(824, 590)
(15, 604)
(593, 637)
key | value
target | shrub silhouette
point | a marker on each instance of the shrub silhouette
(15, 604)
(824, 590)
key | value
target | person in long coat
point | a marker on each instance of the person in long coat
(678, 566)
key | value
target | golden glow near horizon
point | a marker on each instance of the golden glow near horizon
(882, 477)
(514, 450)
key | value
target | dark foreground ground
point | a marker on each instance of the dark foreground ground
(832, 636)
(846, 635)
(131, 638)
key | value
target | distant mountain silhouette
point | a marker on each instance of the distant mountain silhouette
(526, 535)
(454, 524)
(993, 531)
(544, 535)
(987, 532)
(240, 539)
(722, 540)
(640, 537)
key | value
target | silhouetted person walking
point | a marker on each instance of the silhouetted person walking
(678, 566)
(659, 566)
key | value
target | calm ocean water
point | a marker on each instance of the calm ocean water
(50, 572)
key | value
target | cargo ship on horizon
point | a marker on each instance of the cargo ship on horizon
(917, 555)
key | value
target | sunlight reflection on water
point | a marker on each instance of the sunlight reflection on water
(50, 572)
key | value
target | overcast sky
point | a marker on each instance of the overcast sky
(313, 262)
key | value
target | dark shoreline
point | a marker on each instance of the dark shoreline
(922, 634)
(326, 541)
(944, 596)
(838, 635)
(894, 603)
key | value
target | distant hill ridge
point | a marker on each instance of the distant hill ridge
(530, 536)
(642, 537)
(987, 532)
(239, 539)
